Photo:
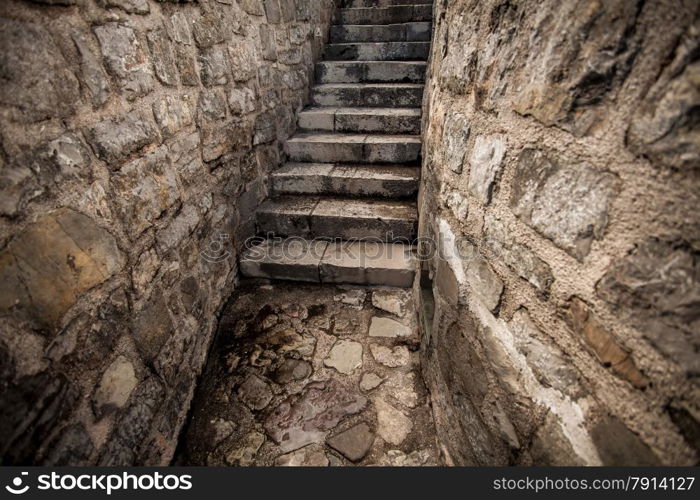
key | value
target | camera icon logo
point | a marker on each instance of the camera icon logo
(16, 487)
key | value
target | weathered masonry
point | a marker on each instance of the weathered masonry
(560, 178)
(546, 154)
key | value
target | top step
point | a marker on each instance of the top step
(384, 15)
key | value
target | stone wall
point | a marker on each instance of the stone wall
(561, 180)
(136, 140)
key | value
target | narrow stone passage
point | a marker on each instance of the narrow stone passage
(313, 376)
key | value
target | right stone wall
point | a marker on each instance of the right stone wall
(561, 183)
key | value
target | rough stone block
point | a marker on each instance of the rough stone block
(152, 326)
(36, 80)
(162, 57)
(214, 66)
(567, 204)
(485, 166)
(454, 137)
(144, 189)
(173, 113)
(114, 139)
(520, 258)
(48, 267)
(115, 386)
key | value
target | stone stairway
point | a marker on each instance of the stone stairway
(343, 208)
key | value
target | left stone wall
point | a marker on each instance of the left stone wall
(136, 139)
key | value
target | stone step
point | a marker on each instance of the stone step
(394, 181)
(368, 94)
(378, 120)
(346, 218)
(356, 4)
(403, 32)
(377, 51)
(353, 148)
(391, 14)
(358, 263)
(370, 71)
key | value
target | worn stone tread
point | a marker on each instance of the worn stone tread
(370, 71)
(344, 218)
(359, 263)
(359, 119)
(390, 181)
(368, 94)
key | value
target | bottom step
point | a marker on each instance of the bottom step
(318, 261)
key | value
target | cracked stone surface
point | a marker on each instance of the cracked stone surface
(294, 379)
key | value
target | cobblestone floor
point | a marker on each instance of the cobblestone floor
(315, 376)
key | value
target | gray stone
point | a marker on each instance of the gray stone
(153, 326)
(36, 82)
(305, 418)
(393, 425)
(310, 456)
(255, 393)
(353, 298)
(162, 56)
(268, 43)
(345, 356)
(252, 7)
(68, 155)
(480, 278)
(185, 61)
(292, 370)
(144, 189)
(485, 166)
(551, 367)
(244, 454)
(388, 328)
(113, 140)
(567, 204)
(272, 11)
(181, 227)
(391, 357)
(92, 74)
(214, 69)
(454, 138)
(243, 60)
(18, 185)
(353, 443)
(212, 105)
(370, 381)
(241, 101)
(49, 266)
(520, 258)
(172, 113)
(115, 387)
(209, 29)
(124, 58)
(370, 71)
(400, 386)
